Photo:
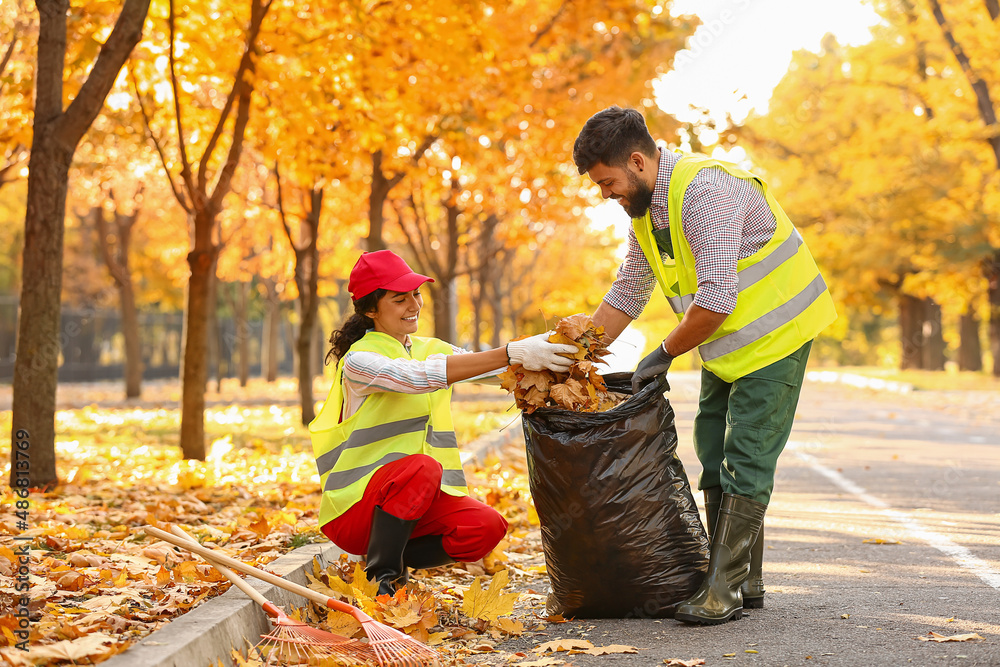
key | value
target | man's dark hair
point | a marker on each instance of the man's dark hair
(611, 136)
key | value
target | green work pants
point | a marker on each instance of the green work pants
(742, 426)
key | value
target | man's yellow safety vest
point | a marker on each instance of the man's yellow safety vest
(387, 427)
(783, 301)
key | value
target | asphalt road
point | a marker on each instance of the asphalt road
(919, 472)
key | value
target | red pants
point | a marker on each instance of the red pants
(410, 489)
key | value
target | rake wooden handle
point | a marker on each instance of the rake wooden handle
(240, 566)
(247, 589)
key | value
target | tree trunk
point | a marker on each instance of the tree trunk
(242, 330)
(117, 263)
(36, 366)
(496, 302)
(970, 350)
(934, 347)
(445, 302)
(194, 369)
(304, 349)
(272, 314)
(478, 306)
(911, 331)
(992, 270)
(213, 352)
(446, 298)
(381, 186)
(133, 346)
(317, 347)
(55, 136)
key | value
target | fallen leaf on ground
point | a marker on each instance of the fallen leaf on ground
(541, 662)
(490, 604)
(879, 540)
(510, 626)
(611, 648)
(677, 662)
(935, 637)
(563, 645)
(75, 650)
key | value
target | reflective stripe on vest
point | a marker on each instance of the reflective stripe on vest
(387, 427)
(782, 303)
(751, 274)
(766, 323)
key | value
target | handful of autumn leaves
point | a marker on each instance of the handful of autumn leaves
(582, 389)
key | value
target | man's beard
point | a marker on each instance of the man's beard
(639, 197)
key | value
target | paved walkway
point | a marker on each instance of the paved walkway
(918, 472)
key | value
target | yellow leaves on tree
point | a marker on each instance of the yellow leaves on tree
(581, 389)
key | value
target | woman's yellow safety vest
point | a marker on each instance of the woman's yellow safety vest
(783, 301)
(387, 427)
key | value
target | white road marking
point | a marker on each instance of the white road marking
(962, 556)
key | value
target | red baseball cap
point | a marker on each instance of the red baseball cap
(383, 269)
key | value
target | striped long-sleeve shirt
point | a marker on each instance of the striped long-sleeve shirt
(366, 373)
(725, 219)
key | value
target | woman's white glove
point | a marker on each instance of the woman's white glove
(537, 353)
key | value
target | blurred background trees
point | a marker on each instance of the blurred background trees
(249, 151)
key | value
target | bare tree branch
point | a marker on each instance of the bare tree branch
(6, 58)
(986, 110)
(551, 24)
(178, 194)
(258, 11)
(101, 225)
(281, 210)
(245, 65)
(82, 111)
(185, 163)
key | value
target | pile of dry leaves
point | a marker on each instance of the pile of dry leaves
(98, 584)
(581, 389)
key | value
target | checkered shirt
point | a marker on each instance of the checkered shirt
(725, 219)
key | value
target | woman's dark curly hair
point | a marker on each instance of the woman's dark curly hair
(355, 326)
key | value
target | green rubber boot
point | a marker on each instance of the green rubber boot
(753, 588)
(719, 598)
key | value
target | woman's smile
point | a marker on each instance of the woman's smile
(397, 313)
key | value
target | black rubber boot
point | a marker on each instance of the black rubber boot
(719, 598)
(753, 588)
(426, 551)
(385, 550)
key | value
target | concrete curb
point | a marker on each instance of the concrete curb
(478, 449)
(207, 634)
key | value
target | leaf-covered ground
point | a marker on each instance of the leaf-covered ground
(98, 584)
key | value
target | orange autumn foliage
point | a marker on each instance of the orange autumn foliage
(581, 388)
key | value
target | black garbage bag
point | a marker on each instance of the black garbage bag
(620, 528)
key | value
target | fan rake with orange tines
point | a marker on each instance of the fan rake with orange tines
(389, 646)
(292, 642)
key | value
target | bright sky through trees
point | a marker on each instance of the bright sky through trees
(736, 58)
(743, 48)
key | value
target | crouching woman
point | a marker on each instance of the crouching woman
(389, 465)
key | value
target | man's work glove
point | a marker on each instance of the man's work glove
(537, 353)
(655, 363)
